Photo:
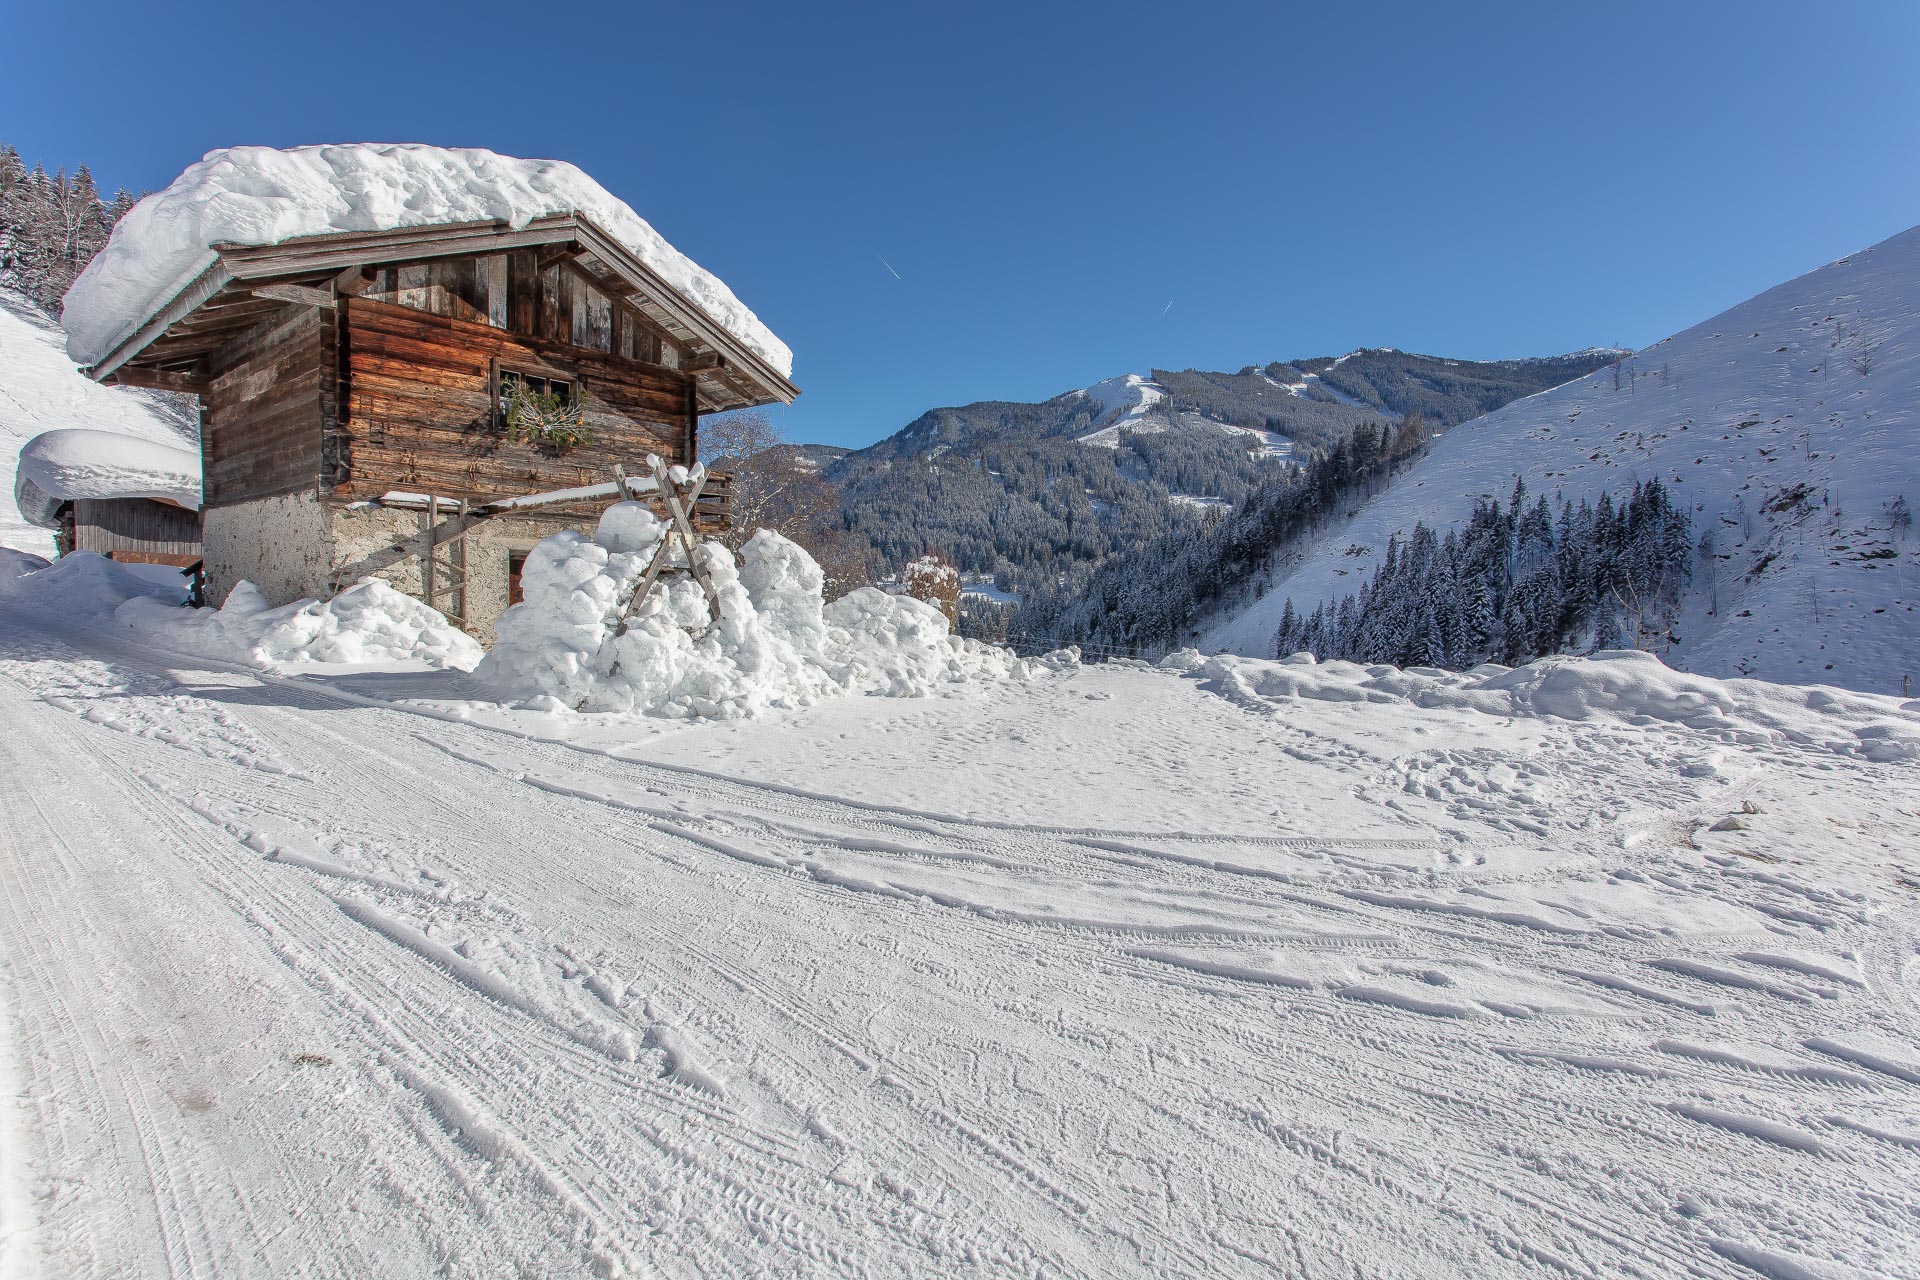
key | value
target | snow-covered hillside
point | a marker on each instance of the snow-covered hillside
(1786, 425)
(41, 390)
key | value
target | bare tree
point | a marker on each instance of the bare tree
(776, 486)
(933, 578)
(1899, 516)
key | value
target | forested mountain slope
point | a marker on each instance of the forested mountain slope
(1039, 493)
(1784, 428)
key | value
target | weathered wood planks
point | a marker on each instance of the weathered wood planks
(420, 406)
(262, 424)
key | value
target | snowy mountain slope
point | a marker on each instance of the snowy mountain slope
(1124, 404)
(42, 390)
(1536, 974)
(1787, 425)
(1130, 402)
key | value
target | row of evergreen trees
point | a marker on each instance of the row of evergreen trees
(50, 226)
(1517, 583)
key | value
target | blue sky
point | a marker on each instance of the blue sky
(1475, 180)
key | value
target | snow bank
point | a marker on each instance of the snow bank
(88, 586)
(57, 466)
(368, 622)
(15, 565)
(1621, 685)
(777, 645)
(261, 195)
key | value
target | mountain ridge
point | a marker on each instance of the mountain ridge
(1032, 493)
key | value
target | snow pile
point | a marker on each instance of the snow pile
(261, 195)
(368, 622)
(15, 565)
(57, 466)
(87, 586)
(776, 645)
(1619, 685)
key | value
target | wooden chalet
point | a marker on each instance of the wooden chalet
(351, 393)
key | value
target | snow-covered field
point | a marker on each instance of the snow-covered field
(1234, 969)
(1785, 425)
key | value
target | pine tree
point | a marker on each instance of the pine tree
(50, 227)
(1515, 584)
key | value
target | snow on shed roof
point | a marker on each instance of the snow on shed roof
(262, 196)
(58, 466)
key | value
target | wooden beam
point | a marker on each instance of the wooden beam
(705, 362)
(353, 282)
(333, 252)
(304, 295)
(683, 315)
(127, 375)
(692, 446)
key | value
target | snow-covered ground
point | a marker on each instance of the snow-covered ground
(41, 391)
(1785, 424)
(1229, 969)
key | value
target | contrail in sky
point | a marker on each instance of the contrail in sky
(1167, 308)
(896, 274)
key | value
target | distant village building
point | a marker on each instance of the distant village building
(404, 389)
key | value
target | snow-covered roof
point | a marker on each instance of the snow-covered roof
(59, 466)
(264, 196)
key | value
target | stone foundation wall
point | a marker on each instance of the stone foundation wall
(279, 544)
(295, 546)
(388, 543)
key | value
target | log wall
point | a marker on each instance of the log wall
(262, 415)
(420, 411)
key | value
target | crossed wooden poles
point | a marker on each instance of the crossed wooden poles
(679, 497)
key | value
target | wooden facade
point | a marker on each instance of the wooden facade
(262, 413)
(368, 370)
(397, 388)
(137, 529)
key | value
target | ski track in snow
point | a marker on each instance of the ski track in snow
(302, 983)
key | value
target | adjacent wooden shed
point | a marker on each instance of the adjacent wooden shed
(353, 393)
(142, 530)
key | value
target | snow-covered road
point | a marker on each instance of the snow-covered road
(1107, 975)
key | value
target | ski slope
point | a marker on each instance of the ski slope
(41, 390)
(1787, 425)
(1238, 969)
